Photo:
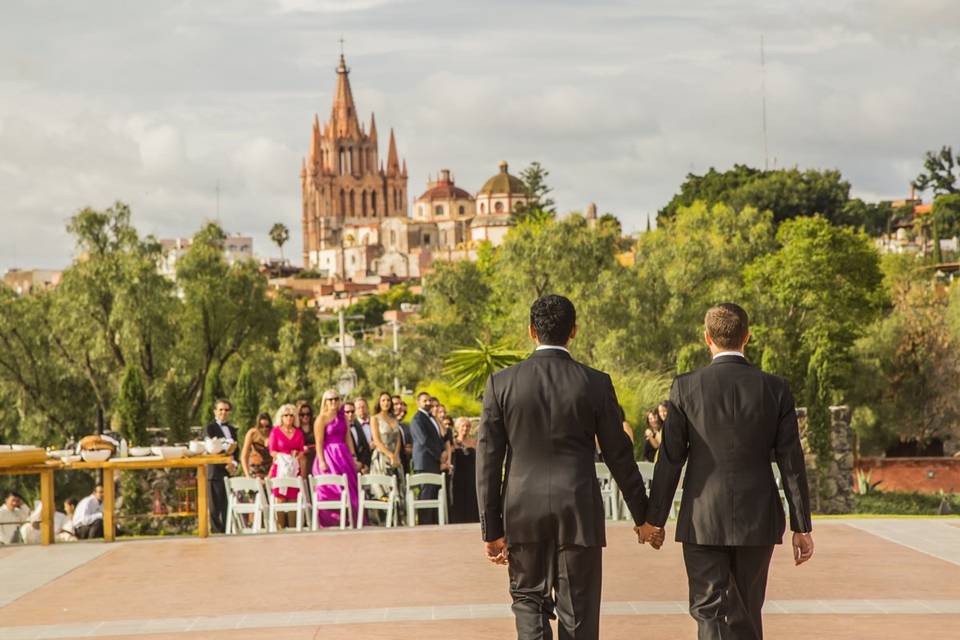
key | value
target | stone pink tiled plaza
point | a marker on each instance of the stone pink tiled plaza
(869, 579)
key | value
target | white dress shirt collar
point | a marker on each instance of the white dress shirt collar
(729, 353)
(541, 347)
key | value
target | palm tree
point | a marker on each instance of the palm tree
(468, 368)
(279, 234)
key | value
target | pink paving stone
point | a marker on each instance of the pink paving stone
(434, 567)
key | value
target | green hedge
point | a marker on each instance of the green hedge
(904, 503)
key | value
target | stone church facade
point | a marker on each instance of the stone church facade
(356, 223)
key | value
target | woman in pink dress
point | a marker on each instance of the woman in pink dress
(337, 457)
(286, 445)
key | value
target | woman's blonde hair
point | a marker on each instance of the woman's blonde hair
(326, 415)
(285, 408)
(461, 420)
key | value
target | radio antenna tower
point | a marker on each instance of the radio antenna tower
(763, 102)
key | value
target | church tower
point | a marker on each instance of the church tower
(343, 181)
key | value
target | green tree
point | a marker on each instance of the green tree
(811, 300)
(468, 368)
(246, 400)
(225, 310)
(683, 267)
(940, 172)
(212, 391)
(787, 193)
(538, 203)
(132, 412)
(279, 234)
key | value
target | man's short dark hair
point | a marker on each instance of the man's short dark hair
(221, 401)
(553, 318)
(71, 501)
(421, 394)
(727, 325)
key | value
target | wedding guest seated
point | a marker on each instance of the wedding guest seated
(88, 518)
(13, 513)
(464, 488)
(30, 531)
(69, 508)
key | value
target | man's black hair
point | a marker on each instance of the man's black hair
(553, 318)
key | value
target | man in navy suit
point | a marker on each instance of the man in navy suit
(427, 448)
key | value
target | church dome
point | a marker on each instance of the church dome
(503, 182)
(444, 189)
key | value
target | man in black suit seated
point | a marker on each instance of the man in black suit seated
(543, 514)
(220, 427)
(427, 448)
(724, 421)
(360, 445)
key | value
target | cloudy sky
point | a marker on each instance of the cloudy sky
(156, 103)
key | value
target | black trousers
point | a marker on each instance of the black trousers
(89, 531)
(217, 504)
(547, 577)
(727, 589)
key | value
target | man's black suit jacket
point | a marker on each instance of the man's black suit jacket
(724, 421)
(219, 471)
(543, 417)
(427, 443)
(360, 445)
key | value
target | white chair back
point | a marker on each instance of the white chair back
(298, 506)
(342, 503)
(391, 503)
(609, 491)
(440, 503)
(237, 509)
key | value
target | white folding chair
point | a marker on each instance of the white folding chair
(440, 503)
(298, 506)
(392, 503)
(608, 491)
(779, 479)
(342, 503)
(237, 509)
(678, 496)
(646, 470)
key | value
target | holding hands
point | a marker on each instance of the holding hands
(649, 533)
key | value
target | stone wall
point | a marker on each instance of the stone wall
(831, 481)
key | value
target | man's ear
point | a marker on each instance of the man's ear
(706, 338)
(532, 333)
(573, 334)
(745, 341)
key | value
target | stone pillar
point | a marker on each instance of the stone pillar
(831, 481)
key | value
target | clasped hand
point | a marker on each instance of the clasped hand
(649, 533)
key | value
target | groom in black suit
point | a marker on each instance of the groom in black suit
(726, 421)
(543, 514)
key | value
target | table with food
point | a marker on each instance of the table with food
(110, 453)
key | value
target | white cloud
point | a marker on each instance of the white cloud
(158, 104)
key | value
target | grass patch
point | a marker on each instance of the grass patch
(904, 503)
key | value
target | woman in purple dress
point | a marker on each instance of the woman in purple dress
(338, 457)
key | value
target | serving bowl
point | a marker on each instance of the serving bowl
(98, 455)
(138, 452)
(214, 446)
(197, 446)
(169, 453)
(72, 458)
(60, 453)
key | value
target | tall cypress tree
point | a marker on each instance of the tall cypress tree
(246, 402)
(132, 410)
(212, 389)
